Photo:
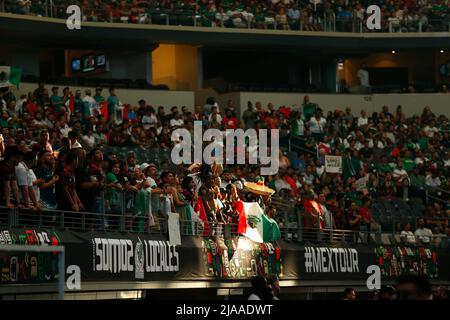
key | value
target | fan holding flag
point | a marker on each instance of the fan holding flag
(10, 76)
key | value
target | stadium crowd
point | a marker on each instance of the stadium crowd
(397, 15)
(57, 154)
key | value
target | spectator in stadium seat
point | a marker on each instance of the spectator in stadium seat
(73, 138)
(39, 93)
(249, 116)
(349, 294)
(44, 142)
(363, 120)
(329, 221)
(401, 180)
(45, 173)
(282, 19)
(230, 121)
(98, 95)
(27, 182)
(407, 235)
(113, 102)
(423, 234)
(317, 125)
(66, 194)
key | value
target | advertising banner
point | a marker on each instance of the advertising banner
(115, 256)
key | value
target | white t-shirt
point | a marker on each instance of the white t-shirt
(91, 103)
(317, 126)
(432, 182)
(149, 121)
(65, 130)
(32, 178)
(328, 217)
(281, 184)
(363, 76)
(176, 122)
(218, 118)
(362, 121)
(400, 173)
(424, 234)
(410, 238)
(22, 175)
(430, 131)
(89, 141)
(447, 163)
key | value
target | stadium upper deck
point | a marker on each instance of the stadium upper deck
(347, 16)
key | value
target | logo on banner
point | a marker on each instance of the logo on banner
(327, 260)
(120, 255)
(139, 260)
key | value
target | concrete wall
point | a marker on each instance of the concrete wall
(175, 66)
(411, 103)
(132, 96)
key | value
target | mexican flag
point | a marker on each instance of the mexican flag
(259, 227)
(9, 76)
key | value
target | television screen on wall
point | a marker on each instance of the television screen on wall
(88, 63)
(76, 65)
(100, 60)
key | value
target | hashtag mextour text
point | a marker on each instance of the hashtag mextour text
(324, 259)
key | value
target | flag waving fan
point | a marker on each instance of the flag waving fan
(10, 76)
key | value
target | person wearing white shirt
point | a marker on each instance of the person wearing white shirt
(215, 116)
(423, 234)
(326, 213)
(400, 174)
(407, 235)
(176, 122)
(26, 180)
(430, 130)
(363, 76)
(363, 120)
(237, 17)
(90, 102)
(149, 120)
(432, 180)
(447, 160)
(317, 124)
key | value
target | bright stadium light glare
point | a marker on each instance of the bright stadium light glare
(441, 51)
(393, 51)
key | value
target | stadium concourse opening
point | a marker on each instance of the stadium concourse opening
(359, 208)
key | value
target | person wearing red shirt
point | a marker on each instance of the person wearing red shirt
(313, 217)
(366, 218)
(230, 121)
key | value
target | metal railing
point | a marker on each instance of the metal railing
(294, 231)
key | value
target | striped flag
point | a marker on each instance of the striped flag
(259, 227)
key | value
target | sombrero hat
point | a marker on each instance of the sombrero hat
(194, 168)
(259, 188)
